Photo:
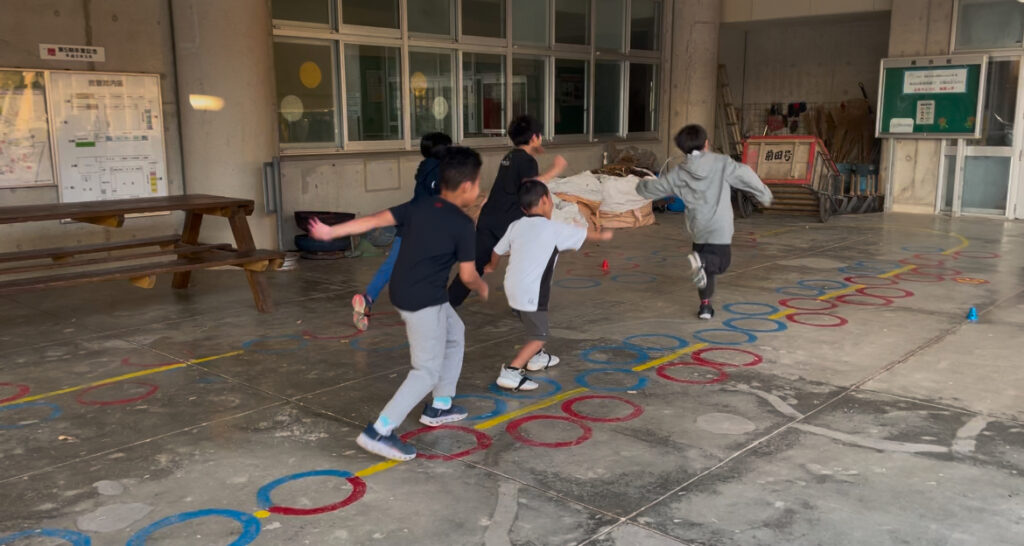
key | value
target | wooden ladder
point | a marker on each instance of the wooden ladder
(732, 142)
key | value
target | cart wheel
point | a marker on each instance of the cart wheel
(744, 205)
(824, 207)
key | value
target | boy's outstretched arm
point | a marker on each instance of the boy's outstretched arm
(556, 169)
(322, 232)
(742, 177)
(472, 280)
(603, 235)
(655, 188)
(493, 264)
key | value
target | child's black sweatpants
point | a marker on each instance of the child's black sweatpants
(716, 259)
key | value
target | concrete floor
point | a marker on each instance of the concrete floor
(902, 426)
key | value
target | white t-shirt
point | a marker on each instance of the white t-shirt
(532, 244)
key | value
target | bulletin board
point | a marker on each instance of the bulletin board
(931, 97)
(26, 157)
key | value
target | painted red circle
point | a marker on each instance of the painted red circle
(374, 317)
(938, 271)
(909, 276)
(23, 390)
(903, 292)
(698, 356)
(150, 392)
(792, 317)
(788, 303)
(976, 254)
(513, 430)
(483, 441)
(923, 260)
(567, 407)
(590, 274)
(604, 254)
(874, 281)
(358, 490)
(662, 372)
(850, 299)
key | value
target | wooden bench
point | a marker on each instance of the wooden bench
(66, 266)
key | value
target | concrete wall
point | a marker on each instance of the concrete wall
(137, 38)
(737, 11)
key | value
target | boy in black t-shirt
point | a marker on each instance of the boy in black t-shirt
(436, 235)
(502, 206)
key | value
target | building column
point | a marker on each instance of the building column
(224, 49)
(694, 66)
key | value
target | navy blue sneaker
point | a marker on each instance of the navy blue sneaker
(433, 417)
(389, 446)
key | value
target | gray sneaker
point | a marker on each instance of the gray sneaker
(390, 446)
(515, 380)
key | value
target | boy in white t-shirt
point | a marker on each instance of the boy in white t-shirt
(533, 243)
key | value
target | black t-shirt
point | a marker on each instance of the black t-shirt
(502, 206)
(435, 235)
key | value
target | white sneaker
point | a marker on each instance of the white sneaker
(695, 262)
(516, 380)
(700, 278)
(542, 361)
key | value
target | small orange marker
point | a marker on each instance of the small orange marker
(604, 265)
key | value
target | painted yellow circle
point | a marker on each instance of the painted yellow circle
(261, 514)
(310, 75)
(418, 82)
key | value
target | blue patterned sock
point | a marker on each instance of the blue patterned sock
(442, 402)
(384, 426)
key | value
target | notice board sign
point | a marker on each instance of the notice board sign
(931, 97)
(108, 135)
(25, 154)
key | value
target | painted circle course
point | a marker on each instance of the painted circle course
(513, 430)
(911, 276)
(639, 355)
(555, 385)
(574, 283)
(870, 291)
(568, 407)
(680, 343)
(71, 537)
(822, 284)
(870, 280)
(636, 278)
(976, 254)
(858, 299)
(250, 525)
(21, 389)
(702, 335)
(500, 406)
(150, 391)
(736, 308)
(798, 318)
(55, 412)
(583, 380)
(788, 302)
(662, 372)
(483, 441)
(252, 344)
(264, 501)
(775, 325)
(699, 356)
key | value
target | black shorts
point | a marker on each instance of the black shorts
(536, 323)
(716, 258)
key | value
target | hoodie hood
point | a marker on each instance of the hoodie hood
(699, 166)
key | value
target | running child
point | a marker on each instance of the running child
(432, 147)
(437, 235)
(703, 182)
(502, 206)
(532, 244)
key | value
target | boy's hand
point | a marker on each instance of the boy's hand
(560, 163)
(605, 235)
(484, 291)
(319, 230)
(490, 267)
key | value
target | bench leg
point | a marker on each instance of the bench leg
(260, 291)
(189, 236)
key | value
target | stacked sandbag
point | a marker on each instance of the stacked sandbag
(621, 207)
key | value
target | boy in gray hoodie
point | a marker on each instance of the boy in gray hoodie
(703, 182)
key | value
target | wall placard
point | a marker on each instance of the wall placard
(931, 97)
(25, 154)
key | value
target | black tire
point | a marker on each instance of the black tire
(824, 207)
(744, 205)
(305, 243)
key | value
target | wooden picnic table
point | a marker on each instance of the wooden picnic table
(72, 265)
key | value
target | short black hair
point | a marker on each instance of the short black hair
(434, 144)
(459, 165)
(522, 129)
(530, 193)
(691, 138)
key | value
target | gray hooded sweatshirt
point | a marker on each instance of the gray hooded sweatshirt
(703, 183)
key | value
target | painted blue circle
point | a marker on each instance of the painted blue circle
(680, 343)
(55, 412)
(923, 249)
(502, 392)
(778, 324)
(731, 308)
(699, 334)
(250, 525)
(670, 253)
(881, 264)
(653, 259)
(829, 284)
(583, 380)
(263, 495)
(646, 279)
(247, 345)
(854, 270)
(71, 537)
(500, 406)
(640, 355)
(357, 345)
(567, 283)
(800, 291)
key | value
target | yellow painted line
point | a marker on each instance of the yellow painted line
(781, 314)
(895, 272)
(527, 409)
(369, 471)
(261, 514)
(669, 358)
(963, 243)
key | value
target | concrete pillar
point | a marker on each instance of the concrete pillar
(224, 48)
(694, 65)
(918, 28)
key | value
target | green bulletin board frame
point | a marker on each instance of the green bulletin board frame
(931, 97)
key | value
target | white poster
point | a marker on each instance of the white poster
(109, 135)
(925, 112)
(901, 125)
(25, 158)
(947, 80)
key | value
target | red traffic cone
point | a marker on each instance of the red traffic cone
(604, 265)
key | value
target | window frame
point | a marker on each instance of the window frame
(553, 42)
(643, 135)
(453, 60)
(378, 145)
(588, 100)
(472, 39)
(625, 29)
(620, 135)
(336, 64)
(627, 39)
(506, 108)
(369, 31)
(450, 39)
(953, 35)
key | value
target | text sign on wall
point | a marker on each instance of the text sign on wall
(936, 81)
(56, 52)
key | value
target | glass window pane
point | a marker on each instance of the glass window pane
(305, 92)
(1000, 104)
(528, 87)
(483, 18)
(483, 81)
(370, 13)
(572, 22)
(643, 98)
(989, 24)
(570, 97)
(986, 180)
(607, 98)
(947, 193)
(431, 86)
(431, 16)
(302, 11)
(530, 22)
(373, 92)
(645, 21)
(610, 24)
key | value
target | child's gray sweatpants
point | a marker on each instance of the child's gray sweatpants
(437, 340)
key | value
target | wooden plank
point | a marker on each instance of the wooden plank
(67, 262)
(113, 220)
(149, 281)
(94, 209)
(189, 236)
(64, 252)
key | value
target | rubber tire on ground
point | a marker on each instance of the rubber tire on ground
(744, 205)
(824, 207)
(305, 243)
